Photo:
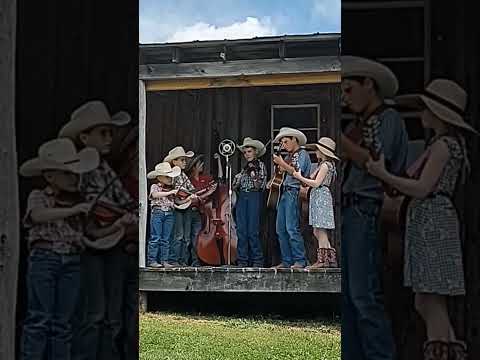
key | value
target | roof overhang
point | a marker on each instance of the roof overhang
(260, 72)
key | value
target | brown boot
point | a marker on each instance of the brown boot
(457, 350)
(331, 257)
(435, 350)
(321, 260)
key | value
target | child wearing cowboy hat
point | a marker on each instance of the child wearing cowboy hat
(55, 220)
(205, 185)
(179, 254)
(433, 264)
(291, 241)
(366, 86)
(162, 220)
(250, 184)
(92, 125)
(321, 214)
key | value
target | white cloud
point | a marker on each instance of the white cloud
(249, 28)
(327, 8)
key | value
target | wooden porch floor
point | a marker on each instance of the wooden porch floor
(231, 279)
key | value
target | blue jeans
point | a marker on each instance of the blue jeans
(366, 332)
(193, 224)
(188, 224)
(100, 314)
(53, 282)
(292, 247)
(249, 250)
(161, 228)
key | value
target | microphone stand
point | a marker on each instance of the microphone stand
(227, 152)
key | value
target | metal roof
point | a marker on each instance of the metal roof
(274, 47)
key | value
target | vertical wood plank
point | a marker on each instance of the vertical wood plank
(142, 177)
(9, 212)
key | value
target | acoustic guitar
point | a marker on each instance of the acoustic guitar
(276, 185)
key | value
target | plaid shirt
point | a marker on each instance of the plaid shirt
(93, 183)
(251, 180)
(65, 235)
(183, 181)
(164, 203)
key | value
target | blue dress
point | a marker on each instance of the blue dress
(321, 203)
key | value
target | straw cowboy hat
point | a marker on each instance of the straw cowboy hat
(326, 146)
(89, 115)
(289, 132)
(61, 154)
(445, 98)
(353, 66)
(178, 152)
(256, 144)
(164, 169)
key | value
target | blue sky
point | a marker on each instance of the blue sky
(188, 20)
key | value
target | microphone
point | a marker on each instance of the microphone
(227, 147)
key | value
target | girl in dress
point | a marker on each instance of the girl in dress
(433, 264)
(321, 215)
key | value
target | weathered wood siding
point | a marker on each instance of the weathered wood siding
(200, 119)
(9, 216)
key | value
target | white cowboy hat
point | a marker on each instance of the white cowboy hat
(178, 152)
(445, 98)
(326, 146)
(89, 115)
(164, 169)
(256, 144)
(290, 132)
(61, 154)
(386, 80)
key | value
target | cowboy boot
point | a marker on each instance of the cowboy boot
(331, 258)
(321, 259)
(435, 350)
(457, 350)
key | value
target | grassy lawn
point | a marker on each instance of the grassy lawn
(180, 337)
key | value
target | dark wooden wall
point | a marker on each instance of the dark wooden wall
(199, 119)
(69, 52)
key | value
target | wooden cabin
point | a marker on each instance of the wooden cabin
(199, 93)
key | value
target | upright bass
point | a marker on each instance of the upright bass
(213, 242)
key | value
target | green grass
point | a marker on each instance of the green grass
(180, 337)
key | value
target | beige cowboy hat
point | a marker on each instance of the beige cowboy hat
(89, 115)
(290, 132)
(164, 169)
(326, 146)
(178, 152)
(386, 80)
(256, 144)
(445, 98)
(61, 154)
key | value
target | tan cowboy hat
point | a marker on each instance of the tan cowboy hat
(256, 144)
(61, 154)
(386, 80)
(290, 132)
(445, 98)
(326, 146)
(164, 169)
(178, 152)
(89, 115)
